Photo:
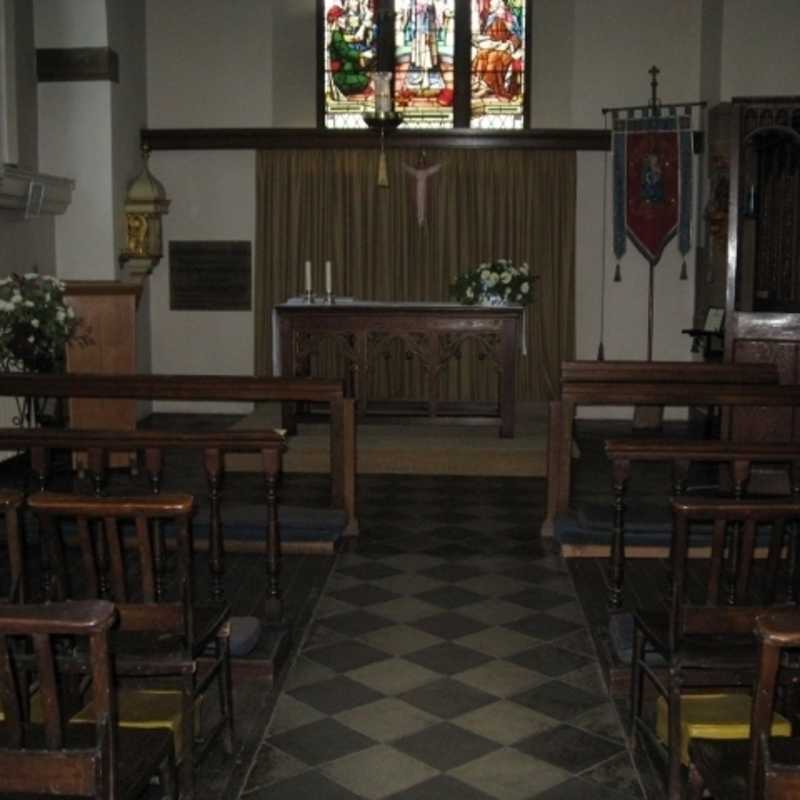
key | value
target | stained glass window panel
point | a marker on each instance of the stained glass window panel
(349, 59)
(497, 63)
(424, 62)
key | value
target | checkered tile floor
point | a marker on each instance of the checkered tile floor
(449, 659)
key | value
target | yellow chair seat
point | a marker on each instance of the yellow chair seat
(148, 709)
(35, 710)
(714, 716)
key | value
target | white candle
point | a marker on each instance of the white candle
(308, 276)
(328, 281)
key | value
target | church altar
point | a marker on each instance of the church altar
(364, 331)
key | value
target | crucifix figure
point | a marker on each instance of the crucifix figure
(421, 173)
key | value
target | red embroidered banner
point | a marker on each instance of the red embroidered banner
(652, 190)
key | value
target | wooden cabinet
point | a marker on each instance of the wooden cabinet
(107, 310)
(762, 303)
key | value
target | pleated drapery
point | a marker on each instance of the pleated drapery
(325, 204)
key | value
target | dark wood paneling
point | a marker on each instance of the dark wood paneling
(277, 138)
(77, 64)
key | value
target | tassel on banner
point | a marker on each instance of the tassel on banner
(601, 352)
(383, 172)
(684, 271)
(617, 274)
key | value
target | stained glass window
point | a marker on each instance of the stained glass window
(424, 58)
(438, 83)
(497, 70)
(350, 60)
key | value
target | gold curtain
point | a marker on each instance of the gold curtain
(325, 204)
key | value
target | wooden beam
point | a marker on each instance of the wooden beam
(280, 138)
(77, 64)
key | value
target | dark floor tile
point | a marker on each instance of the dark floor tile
(538, 599)
(448, 658)
(577, 789)
(377, 550)
(364, 594)
(442, 787)
(308, 786)
(532, 573)
(569, 748)
(382, 531)
(369, 572)
(445, 746)
(559, 700)
(344, 656)
(452, 517)
(450, 597)
(335, 695)
(355, 623)
(452, 573)
(454, 533)
(543, 626)
(618, 775)
(453, 550)
(320, 742)
(549, 660)
(449, 625)
(447, 698)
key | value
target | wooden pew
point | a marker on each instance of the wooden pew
(220, 388)
(633, 383)
(212, 444)
(681, 453)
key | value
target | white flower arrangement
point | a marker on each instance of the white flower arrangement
(495, 282)
(36, 324)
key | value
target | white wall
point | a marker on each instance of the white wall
(233, 64)
(59, 23)
(761, 48)
(213, 198)
(219, 76)
(24, 244)
(127, 37)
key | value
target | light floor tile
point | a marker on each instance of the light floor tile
(409, 583)
(505, 722)
(501, 678)
(290, 713)
(378, 772)
(413, 562)
(492, 583)
(405, 609)
(401, 639)
(498, 642)
(509, 775)
(386, 720)
(330, 605)
(305, 671)
(393, 676)
(494, 612)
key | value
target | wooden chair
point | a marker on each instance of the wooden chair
(706, 640)
(10, 504)
(761, 766)
(54, 758)
(163, 633)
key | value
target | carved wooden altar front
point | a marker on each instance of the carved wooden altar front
(432, 333)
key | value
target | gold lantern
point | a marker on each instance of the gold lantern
(145, 203)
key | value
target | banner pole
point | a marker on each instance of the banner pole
(650, 317)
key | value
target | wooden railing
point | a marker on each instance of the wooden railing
(665, 383)
(220, 388)
(680, 454)
(39, 442)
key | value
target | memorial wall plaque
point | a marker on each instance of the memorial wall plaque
(209, 276)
